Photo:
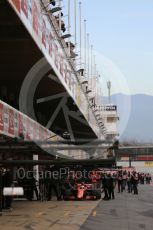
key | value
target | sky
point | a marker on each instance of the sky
(121, 32)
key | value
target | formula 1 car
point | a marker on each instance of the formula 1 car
(82, 191)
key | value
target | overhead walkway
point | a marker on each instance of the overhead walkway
(38, 77)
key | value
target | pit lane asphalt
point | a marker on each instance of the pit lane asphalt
(55, 215)
(126, 212)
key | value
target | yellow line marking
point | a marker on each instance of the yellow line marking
(67, 213)
(94, 213)
(40, 213)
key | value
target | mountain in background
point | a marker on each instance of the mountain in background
(136, 116)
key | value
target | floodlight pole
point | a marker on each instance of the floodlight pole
(69, 9)
(85, 59)
(91, 65)
(109, 91)
(88, 57)
(80, 14)
(75, 30)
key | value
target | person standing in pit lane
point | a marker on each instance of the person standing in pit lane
(120, 181)
(104, 186)
(134, 181)
(141, 178)
(124, 181)
(110, 186)
(148, 178)
(129, 185)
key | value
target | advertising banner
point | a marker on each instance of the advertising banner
(27, 129)
(20, 122)
(17, 4)
(15, 124)
(34, 131)
(11, 122)
(1, 118)
(24, 7)
(148, 163)
(35, 17)
(16, 120)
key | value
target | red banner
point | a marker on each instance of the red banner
(56, 56)
(27, 129)
(65, 70)
(20, 127)
(1, 118)
(61, 65)
(17, 4)
(14, 123)
(24, 7)
(35, 17)
(11, 122)
(45, 135)
(51, 44)
(31, 130)
(40, 134)
(44, 33)
(34, 131)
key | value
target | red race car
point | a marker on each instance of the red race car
(82, 191)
